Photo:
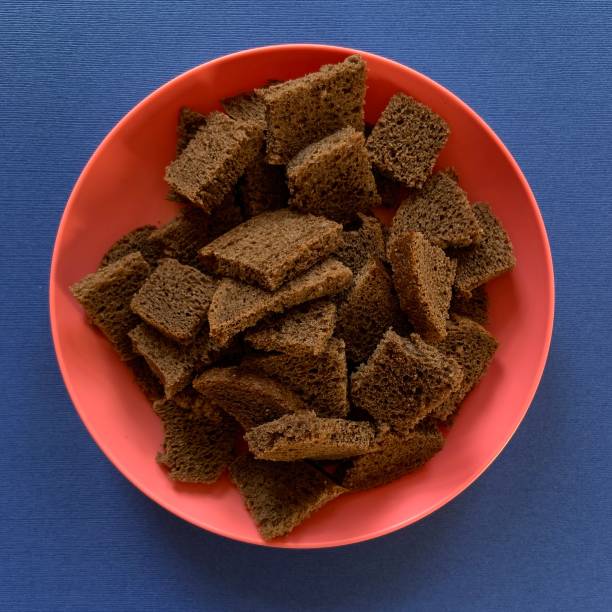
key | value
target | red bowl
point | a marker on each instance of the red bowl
(122, 187)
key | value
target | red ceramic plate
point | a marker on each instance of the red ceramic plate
(122, 187)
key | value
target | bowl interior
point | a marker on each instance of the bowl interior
(122, 187)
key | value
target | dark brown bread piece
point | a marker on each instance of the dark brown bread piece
(441, 212)
(236, 306)
(210, 165)
(472, 347)
(423, 277)
(359, 246)
(279, 496)
(136, 240)
(391, 192)
(195, 448)
(250, 398)
(263, 187)
(246, 107)
(405, 142)
(175, 300)
(475, 307)
(189, 123)
(333, 177)
(190, 399)
(492, 257)
(305, 329)
(304, 435)
(182, 237)
(174, 364)
(403, 381)
(146, 379)
(321, 381)
(106, 294)
(304, 110)
(272, 248)
(397, 455)
(370, 308)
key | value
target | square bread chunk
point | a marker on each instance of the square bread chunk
(370, 308)
(272, 248)
(321, 381)
(406, 139)
(403, 381)
(395, 455)
(304, 435)
(236, 306)
(250, 398)
(213, 160)
(105, 296)
(441, 212)
(195, 448)
(359, 246)
(175, 300)
(304, 110)
(333, 177)
(279, 496)
(492, 257)
(472, 347)
(423, 276)
(305, 329)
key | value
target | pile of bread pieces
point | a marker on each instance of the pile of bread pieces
(276, 309)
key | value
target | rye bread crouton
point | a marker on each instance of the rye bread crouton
(250, 398)
(237, 306)
(359, 246)
(441, 212)
(406, 139)
(423, 277)
(333, 177)
(272, 248)
(280, 496)
(304, 435)
(195, 449)
(403, 381)
(213, 160)
(304, 329)
(189, 123)
(175, 300)
(491, 258)
(105, 296)
(304, 110)
(475, 307)
(136, 240)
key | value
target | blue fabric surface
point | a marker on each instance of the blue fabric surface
(533, 533)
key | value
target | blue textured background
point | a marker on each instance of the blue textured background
(533, 533)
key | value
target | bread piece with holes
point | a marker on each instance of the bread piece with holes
(403, 381)
(195, 449)
(304, 435)
(175, 300)
(304, 110)
(333, 177)
(272, 248)
(280, 496)
(423, 277)
(406, 139)
(105, 296)
(358, 246)
(250, 398)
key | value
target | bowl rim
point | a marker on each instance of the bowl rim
(125, 470)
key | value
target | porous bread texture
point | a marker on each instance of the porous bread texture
(406, 139)
(280, 496)
(252, 399)
(304, 435)
(358, 246)
(237, 306)
(475, 306)
(403, 381)
(105, 296)
(333, 177)
(272, 248)
(136, 240)
(175, 300)
(304, 110)
(423, 277)
(214, 159)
